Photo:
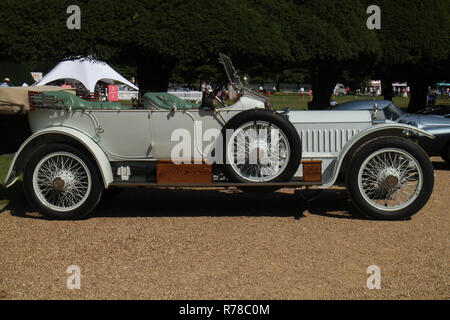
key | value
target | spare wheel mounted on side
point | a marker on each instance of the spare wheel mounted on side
(260, 146)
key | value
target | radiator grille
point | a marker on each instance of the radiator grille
(326, 140)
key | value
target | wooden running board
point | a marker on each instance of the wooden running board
(169, 173)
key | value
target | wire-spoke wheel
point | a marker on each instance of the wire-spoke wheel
(258, 151)
(390, 178)
(260, 146)
(62, 182)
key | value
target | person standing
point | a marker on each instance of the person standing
(230, 92)
(204, 87)
(333, 102)
(6, 83)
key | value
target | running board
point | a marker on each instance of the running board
(215, 184)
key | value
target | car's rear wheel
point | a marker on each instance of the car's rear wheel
(390, 178)
(260, 146)
(61, 182)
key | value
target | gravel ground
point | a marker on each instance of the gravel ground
(191, 244)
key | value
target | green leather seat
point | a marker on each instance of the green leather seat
(68, 99)
(167, 101)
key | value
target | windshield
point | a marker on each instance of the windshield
(237, 82)
(392, 112)
(232, 74)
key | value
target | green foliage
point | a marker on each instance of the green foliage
(415, 43)
(333, 31)
(5, 162)
(413, 32)
(318, 41)
(16, 72)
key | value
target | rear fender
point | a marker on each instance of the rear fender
(60, 135)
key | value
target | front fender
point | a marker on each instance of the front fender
(378, 130)
(71, 134)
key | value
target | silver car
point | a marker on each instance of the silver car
(436, 124)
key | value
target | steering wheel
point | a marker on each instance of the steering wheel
(208, 99)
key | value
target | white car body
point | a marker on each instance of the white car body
(145, 135)
(124, 142)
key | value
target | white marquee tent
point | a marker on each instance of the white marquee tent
(86, 71)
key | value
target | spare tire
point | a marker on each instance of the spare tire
(260, 146)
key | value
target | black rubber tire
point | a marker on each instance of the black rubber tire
(446, 155)
(80, 212)
(282, 123)
(390, 142)
(111, 193)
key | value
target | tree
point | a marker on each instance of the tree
(151, 36)
(36, 31)
(330, 38)
(16, 72)
(415, 45)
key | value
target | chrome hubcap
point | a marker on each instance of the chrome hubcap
(62, 181)
(390, 179)
(58, 184)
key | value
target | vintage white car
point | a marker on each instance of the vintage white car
(79, 148)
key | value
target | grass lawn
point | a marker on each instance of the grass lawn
(5, 161)
(13, 193)
(296, 102)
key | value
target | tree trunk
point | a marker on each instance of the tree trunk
(15, 130)
(419, 92)
(323, 83)
(386, 89)
(153, 73)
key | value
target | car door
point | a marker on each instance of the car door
(184, 134)
(125, 134)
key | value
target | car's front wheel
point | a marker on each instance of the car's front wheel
(390, 178)
(62, 182)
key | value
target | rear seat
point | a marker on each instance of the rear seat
(76, 103)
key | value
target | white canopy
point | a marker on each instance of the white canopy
(86, 71)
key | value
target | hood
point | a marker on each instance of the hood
(434, 120)
(409, 118)
(424, 120)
